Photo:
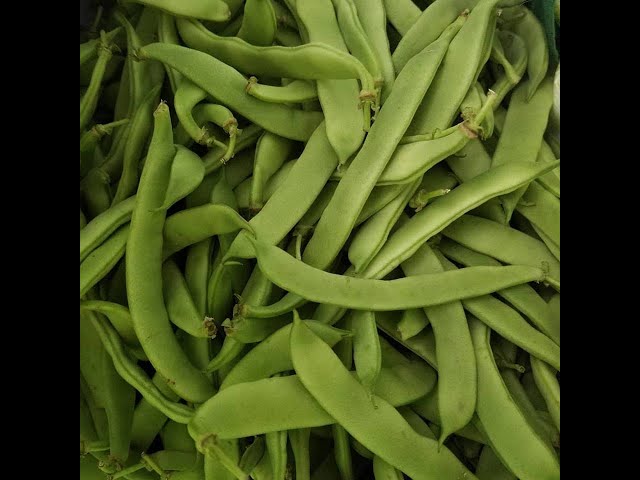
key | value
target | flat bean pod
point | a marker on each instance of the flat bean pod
(402, 14)
(512, 437)
(311, 61)
(259, 23)
(226, 85)
(372, 421)
(102, 259)
(298, 91)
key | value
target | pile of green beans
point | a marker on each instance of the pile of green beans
(319, 239)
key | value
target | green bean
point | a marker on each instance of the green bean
(134, 375)
(459, 71)
(542, 209)
(89, 141)
(244, 190)
(118, 316)
(307, 223)
(119, 398)
(377, 200)
(342, 452)
(374, 20)
(344, 114)
(454, 353)
(550, 181)
(311, 61)
(89, 100)
(491, 468)
(95, 191)
(436, 216)
(412, 322)
(252, 330)
(252, 455)
(101, 260)
(223, 117)
(526, 25)
(509, 324)
(212, 10)
(403, 14)
(199, 223)
(288, 38)
(147, 419)
(223, 194)
(549, 387)
(503, 243)
(144, 264)
(271, 153)
(356, 39)
(370, 238)
(277, 450)
(299, 441)
(367, 355)
(339, 217)
(437, 181)
(186, 175)
(196, 273)
(470, 161)
(259, 23)
(181, 308)
(298, 91)
(284, 17)
(514, 440)
(283, 403)
(517, 55)
(384, 471)
(375, 424)
(167, 33)
(226, 84)
(523, 297)
(89, 49)
(271, 356)
(472, 104)
(361, 293)
(140, 127)
(522, 134)
(417, 423)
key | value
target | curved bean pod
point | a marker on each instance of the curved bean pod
(364, 294)
(226, 84)
(168, 33)
(195, 224)
(89, 100)
(311, 61)
(144, 264)
(372, 421)
(512, 437)
(135, 376)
